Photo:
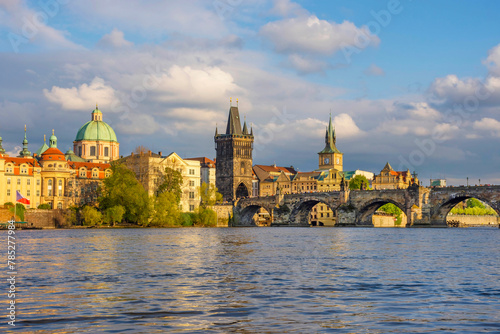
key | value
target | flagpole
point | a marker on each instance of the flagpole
(15, 210)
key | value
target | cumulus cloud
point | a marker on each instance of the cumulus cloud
(84, 96)
(190, 86)
(115, 39)
(345, 126)
(309, 34)
(493, 60)
(488, 125)
(374, 70)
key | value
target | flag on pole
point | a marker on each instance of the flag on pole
(21, 199)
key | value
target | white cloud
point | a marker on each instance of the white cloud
(138, 124)
(374, 70)
(488, 124)
(32, 26)
(286, 8)
(115, 39)
(84, 96)
(493, 60)
(422, 110)
(345, 126)
(190, 86)
(310, 35)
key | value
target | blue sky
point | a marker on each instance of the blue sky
(415, 83)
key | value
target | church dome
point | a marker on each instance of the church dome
(96, 129)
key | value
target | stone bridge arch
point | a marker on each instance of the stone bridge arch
(444, 200)
(300, 211)
(365, 213)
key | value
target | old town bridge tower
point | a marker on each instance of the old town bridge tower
(233, 166)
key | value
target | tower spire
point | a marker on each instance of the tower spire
(25, 153)
(2, 150)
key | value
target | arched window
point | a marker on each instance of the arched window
(242, 168)
(50, 183)
(59, 205)
(60, 182)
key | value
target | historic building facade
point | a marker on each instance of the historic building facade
(234, 158)
(149, 169)
(391, 179)
(48, 177)
(96, 140)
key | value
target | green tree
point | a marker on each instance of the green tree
(205, 217)
(209, 195)
(475, 203)
(122, 188)
(166, 210)
(356, 181)
(91, 216)
(171, 182)
(114, 214)
(44, 206)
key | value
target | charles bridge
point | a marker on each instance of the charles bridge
(424, 207)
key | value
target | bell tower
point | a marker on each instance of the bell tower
(330, 157)
(233, 165)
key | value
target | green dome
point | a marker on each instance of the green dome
(96, 130)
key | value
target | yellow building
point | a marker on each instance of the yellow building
(391, 179)
(149, 167)
(48, 177)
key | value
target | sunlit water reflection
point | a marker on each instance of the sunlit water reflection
(258, 280)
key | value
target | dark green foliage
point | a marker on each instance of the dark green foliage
(44, 207)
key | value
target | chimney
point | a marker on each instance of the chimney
(149, 152)
(159, 153)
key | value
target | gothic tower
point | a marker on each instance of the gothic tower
(330, 157)
(233, 166)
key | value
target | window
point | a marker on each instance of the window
(8, 192)
(80, 151)
(9, 169)
(191, 172)
(50, 192)
(60, 183)
(106, 151)
(38, 193)
(28, 182)
(83, 173)
(18, 181)
(59, 205)
(38, 182)
(60, 192)
(49, 183)
(191, 208)
(70, 183)
(95, 173)
(8, 180)
(191, 183)
(92, 150)
(191, 195)
(28, 192)
(24, 170)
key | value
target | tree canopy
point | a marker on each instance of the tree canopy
(172, 182)
(356, 181)
(122, 188)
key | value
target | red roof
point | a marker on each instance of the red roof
(53, 154)
(88, 165)
(203, 160)
(277, 169)
(18, 161)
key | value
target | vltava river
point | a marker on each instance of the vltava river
(258, 280)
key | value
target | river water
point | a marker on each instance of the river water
(258, 280)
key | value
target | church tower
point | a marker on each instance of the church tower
(233, 166)
(330, 157)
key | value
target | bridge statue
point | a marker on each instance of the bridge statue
(424, 207)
